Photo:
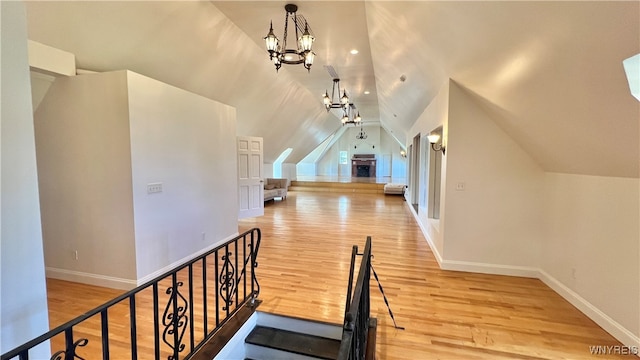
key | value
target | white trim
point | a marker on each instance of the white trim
(434, 250)
(185, 259)
(607, 323)
(611, 326)
(494, 269)
(91, 279)
(120, 283)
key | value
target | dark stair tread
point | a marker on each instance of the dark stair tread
(303, 344)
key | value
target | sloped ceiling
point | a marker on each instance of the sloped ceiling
(549, 73)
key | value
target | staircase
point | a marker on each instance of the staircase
(337, 187)
(277, 337)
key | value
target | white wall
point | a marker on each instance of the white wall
(435, 115)
(267, 171)
(390, 146)
(84, 168)
(592, 243)
(23, 293)
(187, 143)
(579, 234)
(101, 138)
(496, 220)
(289, 171)
(378, 142)
(306, 169)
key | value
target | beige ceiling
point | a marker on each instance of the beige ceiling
(550, 73)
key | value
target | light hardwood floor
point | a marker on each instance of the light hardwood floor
(303, 268)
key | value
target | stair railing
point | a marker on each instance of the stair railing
(356, 321)
(181, 319)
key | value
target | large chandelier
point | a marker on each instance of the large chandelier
(279, 54)
(350, 116)
(333, 102)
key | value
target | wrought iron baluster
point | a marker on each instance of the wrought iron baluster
(230, 275)
(236, 278)
(191, 324)
(227, 280)
(175, 319)
(217, 284)
(244, 269)
(105, 334)
(156, 322)
(134, 327)
(69, 353)
(253, 289)
(255, 245)
(204, 297)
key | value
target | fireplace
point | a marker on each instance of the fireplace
(363, 165)
(362, 170)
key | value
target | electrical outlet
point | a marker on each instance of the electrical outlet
(204, 236)
(460, 186)
(154, 188)
(573, 273)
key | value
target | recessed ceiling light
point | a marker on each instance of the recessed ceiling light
(367, 92)
(354, 51)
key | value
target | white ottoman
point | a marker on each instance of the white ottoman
(395, 189)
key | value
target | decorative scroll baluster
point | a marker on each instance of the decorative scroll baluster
(175, 320)
(232, 282)
(70, 353)
(227, 281)
(253, 257)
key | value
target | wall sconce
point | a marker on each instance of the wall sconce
(435, 145)
(403, 153)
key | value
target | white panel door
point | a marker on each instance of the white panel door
(250, 181)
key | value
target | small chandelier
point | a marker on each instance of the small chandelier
(349, 116)
(361, 135)
(332, 102)
(279, 54)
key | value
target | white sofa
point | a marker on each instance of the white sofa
(274, 188)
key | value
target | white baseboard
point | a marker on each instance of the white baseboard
(493, 269)
(91, 279)
(611, 326)
(434, 250)
(120, 283)
(185, 259)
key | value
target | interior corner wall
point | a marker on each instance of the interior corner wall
(188, 143)
(435, 115)
(23, 292)
(84, 170)
(495, 221)
(590, 254)
(267, 169)
(289, 171)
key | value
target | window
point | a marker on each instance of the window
(343, 158)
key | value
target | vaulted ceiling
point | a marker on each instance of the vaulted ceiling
(549, 73)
